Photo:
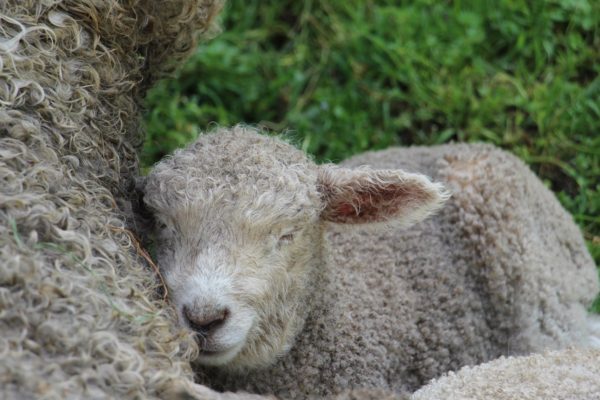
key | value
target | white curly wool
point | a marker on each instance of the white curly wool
(305, 281)
(570, 374)
(79, 317)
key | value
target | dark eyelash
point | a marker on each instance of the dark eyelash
(287, 237)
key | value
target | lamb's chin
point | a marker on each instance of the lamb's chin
(221, 357)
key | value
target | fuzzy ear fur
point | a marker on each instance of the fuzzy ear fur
(357, 196)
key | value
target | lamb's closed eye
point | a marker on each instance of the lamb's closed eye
(287, 236)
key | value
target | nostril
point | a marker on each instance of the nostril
(205, 324)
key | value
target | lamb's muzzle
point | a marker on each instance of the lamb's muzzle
(206, 304)
(205, 324)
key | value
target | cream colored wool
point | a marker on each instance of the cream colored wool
(78, 315)
(500, 270)
(570, 374)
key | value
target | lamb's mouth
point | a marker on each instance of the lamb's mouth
(211, 353)
(216, 357)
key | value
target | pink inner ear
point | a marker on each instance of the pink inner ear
(377, 203)
(345, 210)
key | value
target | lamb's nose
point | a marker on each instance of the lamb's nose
(205, 324)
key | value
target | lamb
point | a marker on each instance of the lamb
(304, 281)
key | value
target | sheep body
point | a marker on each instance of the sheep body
(501, 270)
(79, 317)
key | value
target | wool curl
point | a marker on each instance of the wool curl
(567, 374)
(79, 317)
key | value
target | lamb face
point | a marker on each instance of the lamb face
(239, 221)
(238, 274)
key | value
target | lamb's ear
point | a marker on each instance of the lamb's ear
(356, 196)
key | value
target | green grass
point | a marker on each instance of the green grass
(347, 76)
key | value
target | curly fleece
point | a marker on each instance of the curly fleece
(501, 270)
(78, 317)
(570, 374)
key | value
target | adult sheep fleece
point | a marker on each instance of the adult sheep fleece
(568, 374)
(266, 258)
(78, 314)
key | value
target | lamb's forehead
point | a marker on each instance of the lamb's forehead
(237, 165)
